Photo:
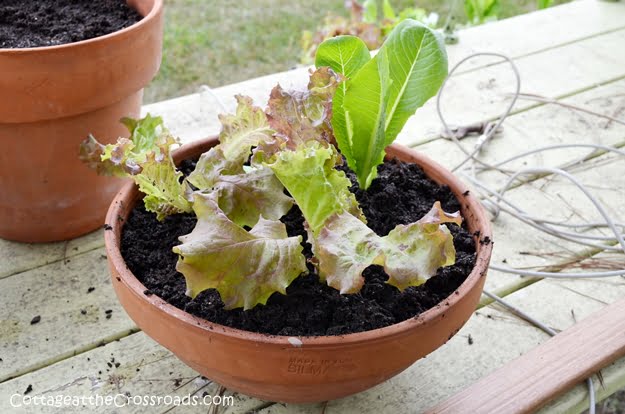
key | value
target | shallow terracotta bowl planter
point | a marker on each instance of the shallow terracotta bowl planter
(302, 369)
(51, 98)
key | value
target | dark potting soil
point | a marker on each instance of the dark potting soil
(36, 23)
(400, 195)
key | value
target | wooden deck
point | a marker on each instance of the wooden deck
(574, 53)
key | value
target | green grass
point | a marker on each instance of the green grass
(218, 42)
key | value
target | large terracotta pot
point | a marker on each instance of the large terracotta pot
(51, 98)
(303, 369)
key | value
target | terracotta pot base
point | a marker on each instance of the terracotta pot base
(303, 369)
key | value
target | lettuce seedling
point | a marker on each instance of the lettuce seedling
(266, 161)
(382, 92)
(146, 158)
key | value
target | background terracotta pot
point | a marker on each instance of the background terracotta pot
(51, 99)
(303, 369)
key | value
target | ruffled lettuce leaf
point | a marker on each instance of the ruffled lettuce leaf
(410, 254)
(319, 189)
(245, 267)
(210, 167)
(122, 159)
(248, 196)
(302, 116)
(243, 195)
(243, 130)
(146, 158)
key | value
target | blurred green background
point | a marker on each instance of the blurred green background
(218, 42)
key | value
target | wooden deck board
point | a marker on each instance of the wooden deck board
(528, 382)
(546, 125)
(58, 293)
(558, 72)
(492, 335)
(446, 369)
(144, 368)
(576, 400)
(518, 245)
(19, 257)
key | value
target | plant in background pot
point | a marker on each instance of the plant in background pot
(53, 96)
(272, 209)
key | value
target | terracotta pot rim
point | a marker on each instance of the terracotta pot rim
(154, 11)
(129, 193)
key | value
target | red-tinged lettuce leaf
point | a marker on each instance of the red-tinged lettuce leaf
(165, 191)
(243, 195)
(108, 159)
(246, 197)
(410, 254)
(211, 166)
(243, 130)
(245, 267)
(122, 159)
(146, 158)
(301, 116)
(318, 188)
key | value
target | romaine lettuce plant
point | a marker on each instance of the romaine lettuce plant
(381, 93)
(237, 191)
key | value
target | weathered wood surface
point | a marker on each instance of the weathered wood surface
(496, 338)
(573, 52)
(530, 381)
(71, 298)
(19, 257)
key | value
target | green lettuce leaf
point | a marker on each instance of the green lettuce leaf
(318, 188)
(410, 254)
(243, 130)
(365, 112)
(417, 64)
(345, 55)
(243, 196)
(245, 267)
(144, 132)
(146, 158)
(165, 191)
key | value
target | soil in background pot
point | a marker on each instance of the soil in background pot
(36, 23)
(401, 194)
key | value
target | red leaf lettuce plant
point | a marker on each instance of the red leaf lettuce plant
(358, 102)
